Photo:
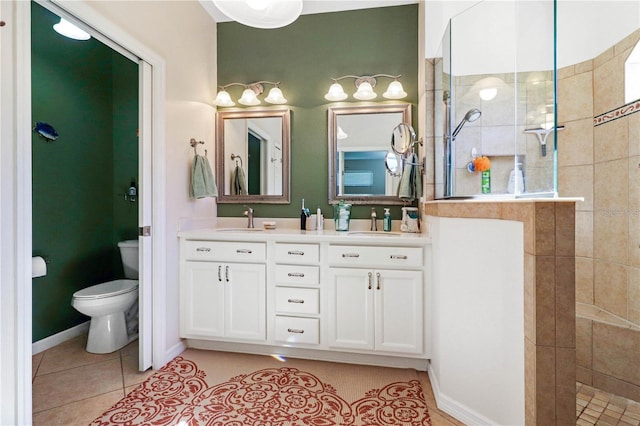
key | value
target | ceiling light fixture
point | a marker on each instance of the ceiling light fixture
(250, 94)
(266, 14)
(365, 85)
(69, 30)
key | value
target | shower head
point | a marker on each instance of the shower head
(471, 116)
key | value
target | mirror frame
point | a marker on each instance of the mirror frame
(334, 113)
(285, 115)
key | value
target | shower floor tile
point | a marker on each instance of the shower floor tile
(595, 407)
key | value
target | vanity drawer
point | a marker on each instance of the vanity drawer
(297, 274)
(294, 300)
(298, 330)
(297, 253)
(376, 256)
(224, 251)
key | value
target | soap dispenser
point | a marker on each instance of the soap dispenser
(516, 180)
(386, 222)
(132, 192)
(304, 214)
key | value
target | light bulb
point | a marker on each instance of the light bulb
(223, 99)
(335, 93)
(395, 91)
(488, 93)
(365, 92)
(69, 30)
(275, 96)
(249, 98)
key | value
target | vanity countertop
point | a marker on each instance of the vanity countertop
(295, 235)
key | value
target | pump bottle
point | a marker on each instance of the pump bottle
(386, 222)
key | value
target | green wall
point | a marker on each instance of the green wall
(304, 56)
(89, 95)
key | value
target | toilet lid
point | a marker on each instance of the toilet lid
(108, 289)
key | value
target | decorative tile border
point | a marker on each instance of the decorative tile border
(620, 112)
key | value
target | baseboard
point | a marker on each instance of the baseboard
(56, 339)
(174, 351)
(419, 364)
(453, 408)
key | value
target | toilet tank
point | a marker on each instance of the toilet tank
(129, 254)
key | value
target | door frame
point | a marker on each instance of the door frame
(18, 157)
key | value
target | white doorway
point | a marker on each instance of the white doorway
(15, 214)
(143, 142)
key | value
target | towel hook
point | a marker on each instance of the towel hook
(237, 157)
(194, 144)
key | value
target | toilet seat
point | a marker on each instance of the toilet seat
(108, 289)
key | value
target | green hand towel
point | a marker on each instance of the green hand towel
(238, 182)
(202, 182)
(410, 187)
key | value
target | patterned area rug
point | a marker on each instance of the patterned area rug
(179, 395)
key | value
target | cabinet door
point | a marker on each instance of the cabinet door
(245, 301)
(201, 300)
(351, 308)
(399, 311)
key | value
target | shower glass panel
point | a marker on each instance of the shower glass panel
(495, 97)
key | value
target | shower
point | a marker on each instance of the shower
(471, 116)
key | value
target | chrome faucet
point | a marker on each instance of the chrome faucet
(249, 214)
(374, 225)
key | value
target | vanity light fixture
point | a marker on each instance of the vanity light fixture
(365, 85)
(69, 30)
(250, 94)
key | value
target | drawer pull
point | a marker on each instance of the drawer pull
(295, 253)
(244, 251)
(378, 280)
(295, 330)
(350, 255)
(295, 300)
(226, 273)
(369, 274)
(205, 249)
(399, 256)
(296, 274)
(220, 273)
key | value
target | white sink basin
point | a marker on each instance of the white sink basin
(375, 233)
(239, 230)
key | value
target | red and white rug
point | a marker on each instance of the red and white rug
(178, 394)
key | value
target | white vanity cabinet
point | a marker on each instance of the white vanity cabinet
(335, 296)
(223, 290)
(376, 299)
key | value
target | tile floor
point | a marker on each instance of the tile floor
(73, 387)
(595, 407)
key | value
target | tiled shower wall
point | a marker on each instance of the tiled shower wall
(599, 159)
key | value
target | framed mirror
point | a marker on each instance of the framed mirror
(359, 141)
(252, 154)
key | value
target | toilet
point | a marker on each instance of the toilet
(112, 306)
